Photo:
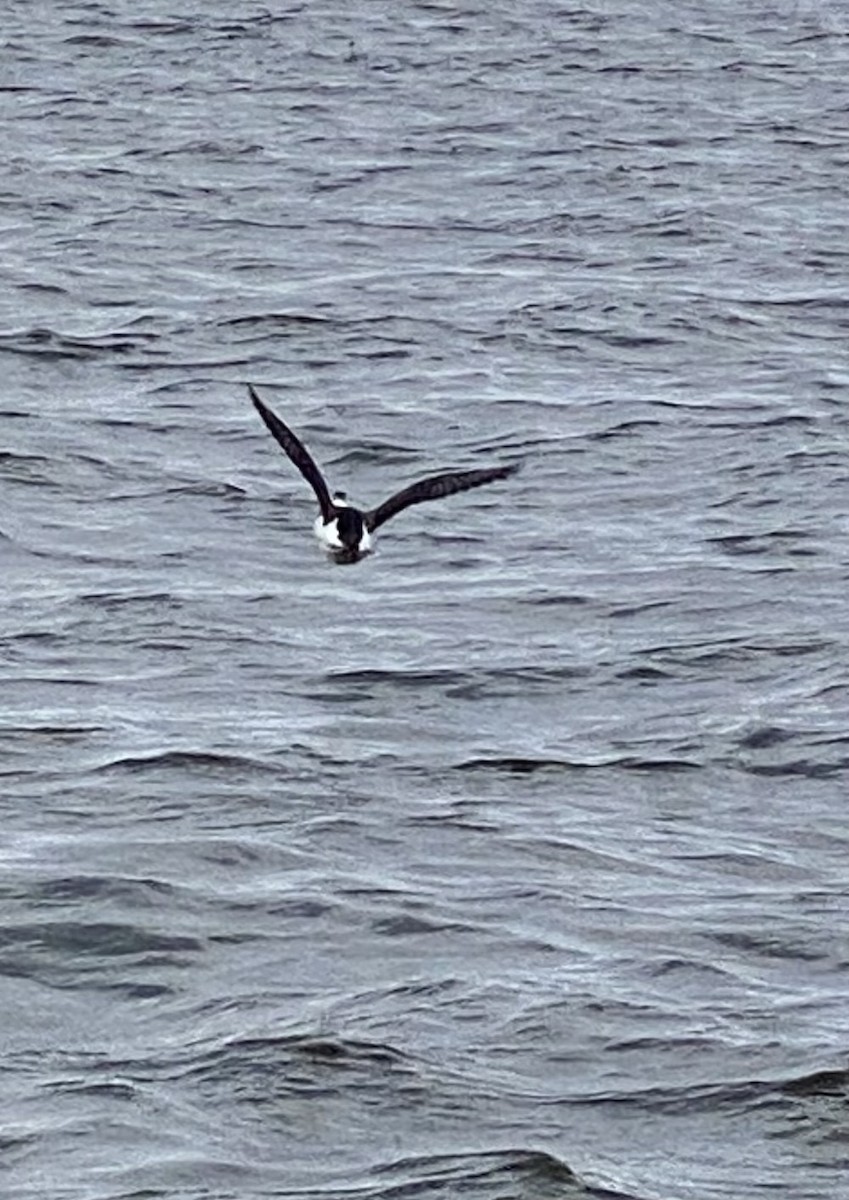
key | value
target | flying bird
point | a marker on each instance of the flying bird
(345, 530)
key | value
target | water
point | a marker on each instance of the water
(511, 862)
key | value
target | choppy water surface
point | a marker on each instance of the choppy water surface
(514, 861)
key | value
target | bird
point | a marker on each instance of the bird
(346, 531)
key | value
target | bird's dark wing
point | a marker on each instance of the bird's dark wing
(434, 488)
(298, 453)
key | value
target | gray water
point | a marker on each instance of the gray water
(512, 861)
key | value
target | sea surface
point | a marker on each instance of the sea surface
(511, 863)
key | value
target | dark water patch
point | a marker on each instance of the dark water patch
(775, 751)
(763, 543)
(832, 1083)
(149, 365)
(806, 768)
(411, 925)
(214, 149)
(731, 651)
(634, 610)
(341, 1051)
(258, 325)
(532, 766)
(789, 647)
(765, 736)
(686, 972)
(656, 764)
(17, 1146)
(503, 681)
(363, 682)
(736, 1096)
(96, 940)
(123, 1092)
(439, 538)
(293, 1063)
(116, 601)
(746, 1096)
(135, 424)
(515, 682)
(384, 352)
(532, 1174)
(189, 762)
(211, 489)
(373, 451)
(301, 907)
(163, 28)
(644, 674)
(49, 344)
(52, 733)
(459, 816)
(78, 955)
(146, 893)
(811, 1113)
(554, 601)
(765, 946)
(97, 41)
(34, 470)
(827, 740)
(624, 428)
(517, 766)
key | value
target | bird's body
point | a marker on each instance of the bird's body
(345, 533)
(345, 530)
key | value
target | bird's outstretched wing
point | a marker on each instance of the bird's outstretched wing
(298, 453)
(434, 488)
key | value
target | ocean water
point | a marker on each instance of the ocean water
(512, 862)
